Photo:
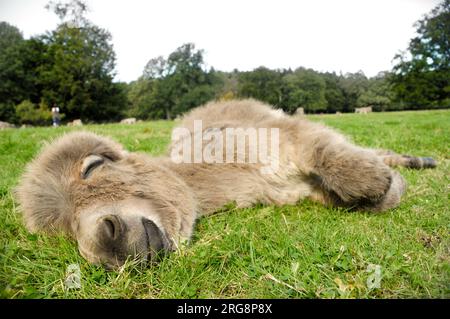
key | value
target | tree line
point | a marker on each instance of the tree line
(73, 67)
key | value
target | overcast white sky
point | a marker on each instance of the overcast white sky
(326, 35)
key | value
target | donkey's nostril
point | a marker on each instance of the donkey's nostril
(112, 226)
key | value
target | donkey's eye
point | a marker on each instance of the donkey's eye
(90, 163)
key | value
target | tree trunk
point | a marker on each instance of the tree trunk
(168, 116)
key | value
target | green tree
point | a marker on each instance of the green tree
(141, 97)
(178, 83)
(79, 77)
(9, 36)
(352, 86)
(11, 70)
(421, 76)
(305, 88)
(262, 84)
(29, 113)
(334, 93)
(20, 63)
(73, 12)
(378, 93)
(227, 84)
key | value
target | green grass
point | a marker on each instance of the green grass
(302, 251)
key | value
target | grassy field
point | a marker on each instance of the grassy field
(302, 251)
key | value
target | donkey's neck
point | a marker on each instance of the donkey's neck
(215, 186)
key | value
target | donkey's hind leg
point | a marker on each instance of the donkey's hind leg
(353, 176)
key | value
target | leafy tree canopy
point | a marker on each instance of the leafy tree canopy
(421, 76)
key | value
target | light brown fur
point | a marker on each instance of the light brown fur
(131, 203)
